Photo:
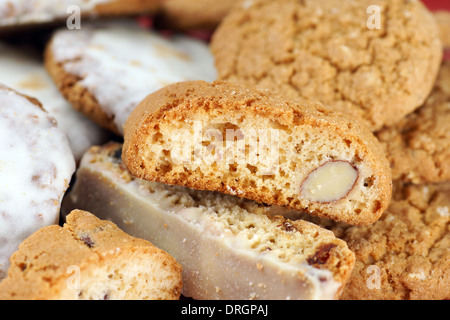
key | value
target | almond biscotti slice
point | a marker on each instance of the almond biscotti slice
(228, 247)
(247, 142)
(89, 259)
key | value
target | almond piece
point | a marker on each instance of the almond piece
(330, 182)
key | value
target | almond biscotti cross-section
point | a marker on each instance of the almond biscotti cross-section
(230, 248)
(250, 143)
(90, 259)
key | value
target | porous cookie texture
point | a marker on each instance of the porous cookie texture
(405, 254)
(195, 14)
(375, 60)
(105, 71)
(230, 248)
(25, 72)
(418, 147)
(443, 22)
(250, 143)
(90, 259)
(36, 166)
(14, 13)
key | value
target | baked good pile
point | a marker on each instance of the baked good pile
(232, 150)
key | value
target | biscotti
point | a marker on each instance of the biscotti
(36, 166)
(90, 259)
(250, 143)
(375, 60)
(228, 247)
(105, 70)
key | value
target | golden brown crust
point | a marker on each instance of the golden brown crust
(39, 269)
(80, 97)
(177, 102)
(323, 50)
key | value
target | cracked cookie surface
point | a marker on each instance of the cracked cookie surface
(418, 147)
(409, 246)
(405, 254)
(324, 51)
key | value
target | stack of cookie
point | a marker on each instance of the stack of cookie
(301, 152)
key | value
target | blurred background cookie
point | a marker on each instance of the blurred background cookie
(334, 52)
(194, 14)
(18, 14)
(105, 71)
(22, 69)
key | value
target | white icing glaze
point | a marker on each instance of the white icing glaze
(26, 74)
(121, 64)
(17, 12)
(36, 165)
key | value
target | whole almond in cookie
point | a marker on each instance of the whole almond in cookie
(253, 144)
(374, 60)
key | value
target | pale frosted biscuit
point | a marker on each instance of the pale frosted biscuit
(36, 166)
(106, 71)
(228, 247)
(17, 13)
(418, 147)
(251, 143)
(195, 14)
(90, 259)
(375, 60)
(26, 73)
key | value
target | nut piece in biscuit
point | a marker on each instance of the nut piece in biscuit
(331, 181)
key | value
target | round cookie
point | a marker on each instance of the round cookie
(18, 13)
(335, 52)
(443, 21)
(405, 254)
(26, 73)
(418, 147)
(90, 259)
(195, 14)
(36, 166)
(105, 71)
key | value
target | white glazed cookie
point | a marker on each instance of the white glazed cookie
(106, 71)
(36, 165)
(14, 13)
(26, 73)
(228, 247)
